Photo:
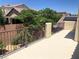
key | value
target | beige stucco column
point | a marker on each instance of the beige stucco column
(77, 29)
(9, 21)
(48, 29)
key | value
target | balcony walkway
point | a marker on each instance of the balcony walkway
(55, 47)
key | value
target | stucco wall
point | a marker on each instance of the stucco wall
(13, 15)
(69, 25)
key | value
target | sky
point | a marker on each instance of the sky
(70, 6)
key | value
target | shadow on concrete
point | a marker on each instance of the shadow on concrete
(70, 35)
(55, 30)
(76, 53)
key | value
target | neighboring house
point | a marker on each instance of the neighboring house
(64, 13)
(10, 30)
(11, 11)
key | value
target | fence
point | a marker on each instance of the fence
(15, 39)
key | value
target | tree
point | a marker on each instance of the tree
(27, 17)
(50, 14)
(1, 45)
(35, 21)
(1, 17)
(32, 17)
(47, 12)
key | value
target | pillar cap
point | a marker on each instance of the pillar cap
(48, 23)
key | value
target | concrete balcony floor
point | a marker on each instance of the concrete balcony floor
(55, 47)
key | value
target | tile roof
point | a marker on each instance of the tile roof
(17, 5)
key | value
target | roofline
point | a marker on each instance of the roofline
(14, 5)
(71, 16)
(11, 10)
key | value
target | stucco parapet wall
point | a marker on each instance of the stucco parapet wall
(69, 25)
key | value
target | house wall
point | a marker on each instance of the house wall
(20, 9)
(69, 25)
(13, 15)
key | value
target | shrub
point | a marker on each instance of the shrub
(1, 18)
(1, 45)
